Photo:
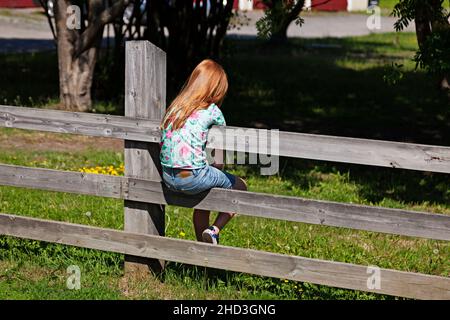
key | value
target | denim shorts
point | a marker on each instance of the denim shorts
(197, 180)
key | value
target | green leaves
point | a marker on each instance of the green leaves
(434, 55)
(277, 16)
(393, 74)
(433, 33)
(405, 11)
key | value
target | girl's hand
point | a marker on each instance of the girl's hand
(217, 165)
(218, 159)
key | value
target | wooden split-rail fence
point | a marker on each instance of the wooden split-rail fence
(143, 241)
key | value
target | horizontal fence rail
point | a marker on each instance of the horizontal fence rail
(361, 217)
(335, 274)
(298, 145)
(90, 124)
(145, 195)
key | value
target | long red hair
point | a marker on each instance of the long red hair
(207, 84)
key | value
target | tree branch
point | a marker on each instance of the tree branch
(97, 22)
(49, 19)
(295, 11)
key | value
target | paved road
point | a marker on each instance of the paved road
(324, 24)
(25, 31)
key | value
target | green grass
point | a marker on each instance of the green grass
(23, 15)
(41, 88)
(388, 5)
(102, 271)
(41, 72)
(336, 91)
(302, 88)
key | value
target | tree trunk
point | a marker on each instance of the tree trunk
(75, 72)
(423, 23)
(428, 21)
(77, 52)
(194, 33)
(75, 76)
(279, 34)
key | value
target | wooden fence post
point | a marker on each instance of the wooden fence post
(145, 97)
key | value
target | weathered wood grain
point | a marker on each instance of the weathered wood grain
(145, 97)
(335, 274)
(101, 125)
(328, 213)
(340, 149)
(298, 145)
(64, 181)
(360, 217)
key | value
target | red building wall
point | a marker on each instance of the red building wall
(19, 3)
(257, 4)
(326, 5)
(329, 5)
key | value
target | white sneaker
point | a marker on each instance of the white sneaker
(210, 235)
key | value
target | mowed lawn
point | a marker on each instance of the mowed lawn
(326, 86)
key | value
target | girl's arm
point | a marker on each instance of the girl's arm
(218, 158)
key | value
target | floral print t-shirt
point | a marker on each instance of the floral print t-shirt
(185, 147)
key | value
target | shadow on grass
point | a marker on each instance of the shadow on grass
(334, 88)
(337, 90)
(28, 79)
(334, 91)
(31, 80)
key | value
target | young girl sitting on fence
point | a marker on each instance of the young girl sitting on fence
(184, 131)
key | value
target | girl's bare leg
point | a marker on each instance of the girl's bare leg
(224, 217)
(201, 222)
(201, 217)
